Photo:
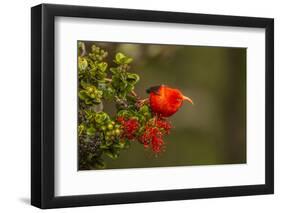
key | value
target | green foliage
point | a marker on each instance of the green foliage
(100, 135)
(120, 58)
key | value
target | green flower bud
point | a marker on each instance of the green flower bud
(103, 128)
(117, 132)
(110, 126)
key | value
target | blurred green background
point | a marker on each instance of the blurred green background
(213, 130)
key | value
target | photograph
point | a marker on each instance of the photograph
(139, 105)
(160, 105)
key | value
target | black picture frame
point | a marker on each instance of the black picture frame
(43, 117)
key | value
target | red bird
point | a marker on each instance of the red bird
(166, 101)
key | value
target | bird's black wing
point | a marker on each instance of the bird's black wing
(154, 89)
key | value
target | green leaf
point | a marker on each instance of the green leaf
(101, 117)
(88, 114)
(82, 63)
(88, 101)
(108, 93)
(111, 153)
(102, 66)
(83, 95)
(99, 164)
(91, 131)
(116, 81)
(120, 145)
(141, 118)
(125, 113)
(129, 88)
(144, 109)
(81, 129)
(100, 76)
(113, 70)
(103, 146)
(132, 78)
(120, 58)
(84, 84)
(81, 48)
(128, 60)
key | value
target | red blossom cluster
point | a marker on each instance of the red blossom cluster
(129, 126)
(163, 124)
(153, 134)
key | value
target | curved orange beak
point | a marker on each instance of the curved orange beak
(187, 99)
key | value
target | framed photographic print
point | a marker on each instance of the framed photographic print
(139, 106)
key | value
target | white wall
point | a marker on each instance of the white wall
(15, 107)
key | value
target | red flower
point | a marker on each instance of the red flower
(164, 124)
(129, 126)
(120, 119)
(157, 144)
(153, 134)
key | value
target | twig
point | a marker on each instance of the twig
(141, 102)
(108, 79)
(134, 93)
